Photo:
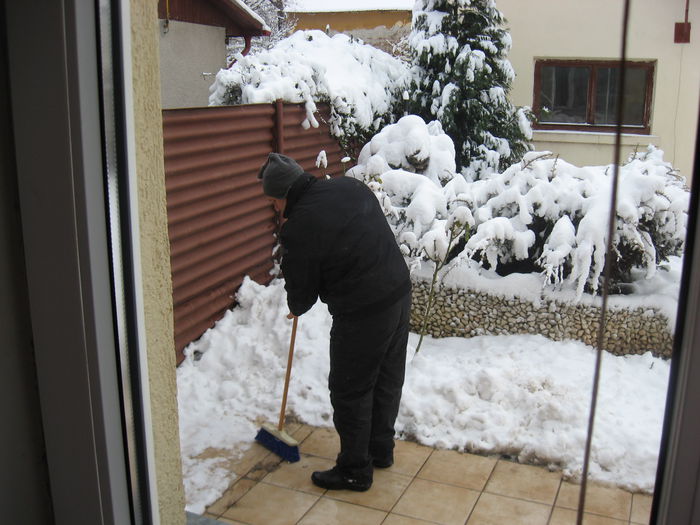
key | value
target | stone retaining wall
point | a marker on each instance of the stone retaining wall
(465, 313)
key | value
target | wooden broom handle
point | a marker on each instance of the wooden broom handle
(289, 373)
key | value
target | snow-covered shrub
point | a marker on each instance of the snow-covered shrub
(461, 76)
(544, 214)
(410, 166)
(540, 215)
(359, 82)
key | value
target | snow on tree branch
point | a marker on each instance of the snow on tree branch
(461, 76)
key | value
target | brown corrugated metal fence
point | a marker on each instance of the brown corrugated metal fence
(221, 226)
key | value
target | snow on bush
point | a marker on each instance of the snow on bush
(461, 76)
(410, 166)
(359, 82)
(544, 214)
(540, 215)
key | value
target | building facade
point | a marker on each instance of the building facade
(564, 56)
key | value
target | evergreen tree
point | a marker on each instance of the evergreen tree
(461, 77)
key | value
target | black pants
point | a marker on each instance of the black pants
(368, 357)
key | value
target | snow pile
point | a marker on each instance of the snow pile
(529, 397)
(357, 80)
(540, 215)
(231, 381)
(409, 145)
(525, 396)
(555, 215)
(410, 166)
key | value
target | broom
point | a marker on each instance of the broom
(276, 439)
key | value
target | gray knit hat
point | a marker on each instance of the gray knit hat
(278, 174)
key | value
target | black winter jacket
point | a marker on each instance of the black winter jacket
(337, 245)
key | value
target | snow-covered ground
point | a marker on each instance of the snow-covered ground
(525, 396)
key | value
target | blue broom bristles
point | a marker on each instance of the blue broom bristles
(278, 442)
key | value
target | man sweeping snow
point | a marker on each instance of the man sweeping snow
(337, 246)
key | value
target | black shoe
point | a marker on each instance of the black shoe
(384, 462)
(334, 479)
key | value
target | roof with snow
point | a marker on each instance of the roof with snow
(343, 6)
(234, 15)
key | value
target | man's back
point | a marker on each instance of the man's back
(336, 229)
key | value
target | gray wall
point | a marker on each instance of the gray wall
(190, 57)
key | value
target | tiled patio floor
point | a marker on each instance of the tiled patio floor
(424, 486)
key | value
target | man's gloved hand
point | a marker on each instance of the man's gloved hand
(290, 315)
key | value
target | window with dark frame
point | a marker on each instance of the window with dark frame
(582, 95)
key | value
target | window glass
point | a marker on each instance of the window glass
(564, 94)
(607, 96)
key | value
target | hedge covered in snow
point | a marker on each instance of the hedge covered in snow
(540, 215)
(359, 82)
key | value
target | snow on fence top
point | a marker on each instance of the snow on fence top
(357, 80)
(342, 6)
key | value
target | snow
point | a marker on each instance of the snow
(356, 79)
(332, 6)
(322, 159)
(525, 396)
(410, 167)
(251, 13)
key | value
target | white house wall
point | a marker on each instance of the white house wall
(591, 29)
(190, 56)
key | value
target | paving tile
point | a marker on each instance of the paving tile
(228, 459)
(301, 433)
(386, 490)
(267, 504)
(444, 492)
(297, 476)
(605, 501)
(235, 492)
(264, 466)
(465, 470)
(230, 522)
(562, 516)
(332, 512)
(396, 519)
(409, 457)
(250, 458)
(524, 481)
(492, 509)
(323, 442)
(641, 509)
(436, 502)
(290, 426)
